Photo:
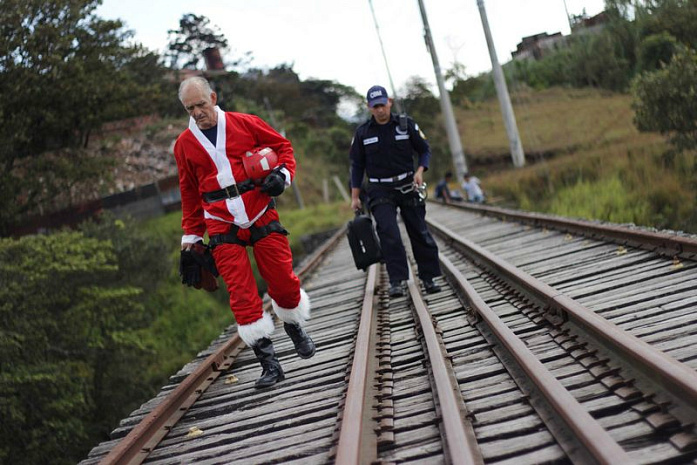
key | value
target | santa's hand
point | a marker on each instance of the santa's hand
(274, 184)
(189, 269)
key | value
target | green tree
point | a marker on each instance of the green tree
(656, 50)
(63, 73)
(666, 100)
(187, 44)
(71, 356)
(675, 17)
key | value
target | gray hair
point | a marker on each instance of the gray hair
(201, 83)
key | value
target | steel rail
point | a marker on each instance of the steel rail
(672, 375)
(461, 444)
(595, 440)
(620, 234)
(142, 439)
(354, 445)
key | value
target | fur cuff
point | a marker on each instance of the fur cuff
(297, 315)
(261, 328)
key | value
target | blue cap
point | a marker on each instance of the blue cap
(377, 95)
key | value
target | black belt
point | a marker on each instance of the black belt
(399, 177)
(229, 192)
(256, 233)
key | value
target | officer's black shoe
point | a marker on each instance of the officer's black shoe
(430, 286)
(302, 342)
(396, 289)
(272, 371)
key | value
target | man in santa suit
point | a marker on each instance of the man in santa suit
(218, 197)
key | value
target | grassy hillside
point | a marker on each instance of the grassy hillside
(552, 121)
(584, 159)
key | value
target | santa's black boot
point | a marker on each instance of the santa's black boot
(302, 342)
(272, 371)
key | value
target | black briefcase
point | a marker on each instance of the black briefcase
(363, 241)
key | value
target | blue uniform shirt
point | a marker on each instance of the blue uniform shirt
(385, 150)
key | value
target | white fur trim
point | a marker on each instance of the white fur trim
(296, 315)
(261, 328)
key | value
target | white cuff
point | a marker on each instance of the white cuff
(191, 239)
(296, 315)
(287, 175)
(252, 332)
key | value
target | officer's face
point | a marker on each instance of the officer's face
(381, 113)
(201, 107)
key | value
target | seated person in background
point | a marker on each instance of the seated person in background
(443, 192)
(471, 185)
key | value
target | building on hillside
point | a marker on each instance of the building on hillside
(589, 25)
(536, 46)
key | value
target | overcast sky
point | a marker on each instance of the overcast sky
(337, 40)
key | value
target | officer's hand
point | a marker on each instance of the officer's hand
(356, 204)
(189, 269)
(274, 184)
(419, 177)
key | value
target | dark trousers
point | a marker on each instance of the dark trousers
(384, 204)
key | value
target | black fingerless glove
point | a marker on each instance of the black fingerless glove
(189, 269)
(275, 183)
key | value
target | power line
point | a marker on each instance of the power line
(384, 56)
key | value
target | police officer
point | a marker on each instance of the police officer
(383, 149)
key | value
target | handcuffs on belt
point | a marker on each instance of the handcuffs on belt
(420, 190)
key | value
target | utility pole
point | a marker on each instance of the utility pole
(502, 91)
(568, 18)
(446, 107)
(294, 185)
(384, 57)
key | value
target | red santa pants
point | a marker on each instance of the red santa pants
(275, 263)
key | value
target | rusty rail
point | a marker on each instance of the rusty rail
(356, 437)
(461, 443)
(674, 244)
(673, 376)
(594, 439)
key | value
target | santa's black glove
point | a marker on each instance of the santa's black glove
(204, 257)
(189, 269)
(245, 186)
(275, 183)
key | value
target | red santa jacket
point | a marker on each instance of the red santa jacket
(205, 168)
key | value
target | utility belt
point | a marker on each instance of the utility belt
(229, 192)
(391, 180)
(401, 187)
(403, 195)
(256, 233)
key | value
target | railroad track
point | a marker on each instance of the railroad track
(576, 344)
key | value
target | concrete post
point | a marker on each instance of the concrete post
(446, 107)
(502, 91)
